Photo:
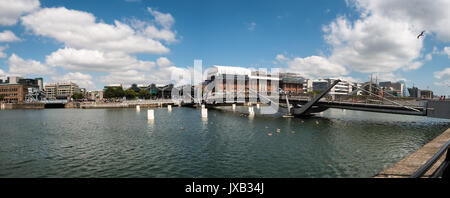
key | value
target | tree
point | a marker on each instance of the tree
(2, 97)
(144, 94)
(130, 94)
(77, 96)
(113, 92)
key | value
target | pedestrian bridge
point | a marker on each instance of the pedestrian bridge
(298, 106)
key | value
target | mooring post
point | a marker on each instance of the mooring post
(150, 114)
(251, 111)
(204, 112)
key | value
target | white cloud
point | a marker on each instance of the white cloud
(163, 34)
(251, 26)
(372, 44)
(8, 36)
(348, 78)
(313, 66)
(19, 66)
(126, 77)
(163, 62)
(97, 61)
(388, 76)
(82, 80)
(444, 76)
(165, 20)
(161, 74)
(447, 51)
(2, 54)
(413, 66)
(432, 16)
(2, 74)
(11, 10)
(78, 29)
(429, 57)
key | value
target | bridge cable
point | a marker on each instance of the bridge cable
(388, 100)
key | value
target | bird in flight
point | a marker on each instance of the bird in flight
(421, 34)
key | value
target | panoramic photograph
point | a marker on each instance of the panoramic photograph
(224, 89)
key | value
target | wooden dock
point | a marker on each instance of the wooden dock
(409, 165)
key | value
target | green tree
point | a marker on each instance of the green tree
(77, 96)
(114, 92)
(144, 94)
(2, 97)
(130, 94)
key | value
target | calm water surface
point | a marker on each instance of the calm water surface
(122, 143)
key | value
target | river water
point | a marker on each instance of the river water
(123, 143)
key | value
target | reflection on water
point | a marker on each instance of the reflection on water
(124, 143)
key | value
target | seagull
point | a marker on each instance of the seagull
(421, 34)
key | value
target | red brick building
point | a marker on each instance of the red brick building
(13, 93)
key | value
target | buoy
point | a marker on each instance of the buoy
(138, 108)
(292, 131)
(182, 128)
(169, 108)
(278, 130)
(270, 134)
(151, 114)
(204, 113)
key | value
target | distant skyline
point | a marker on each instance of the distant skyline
(96, 43)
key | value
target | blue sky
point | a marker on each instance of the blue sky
(320, 39)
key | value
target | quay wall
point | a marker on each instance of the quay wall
(22, 106)
(120, 105)
(409, 165)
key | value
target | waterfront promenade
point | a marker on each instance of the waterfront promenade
(409, 165)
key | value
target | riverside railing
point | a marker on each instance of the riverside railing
(443, 170)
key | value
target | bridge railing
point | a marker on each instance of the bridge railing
(443, 170)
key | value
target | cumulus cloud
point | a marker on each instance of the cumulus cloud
(384, 37)
(80, 30)
(96, 61)
(8, 36)
(373, 44)
(313, 66)
(432, 16)
(429, 57)
(19, 66)
(11, 10)
(164, 19)
(388, 76)
(444, 76)
(447, 51)
(2, 54)
(162, 73)
(125, 77)
(2, 74)
(163, 62)
(82, 80)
